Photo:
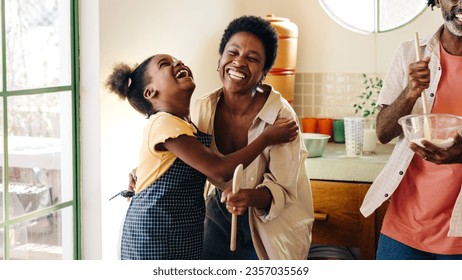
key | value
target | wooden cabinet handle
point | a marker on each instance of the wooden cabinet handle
(322, 217)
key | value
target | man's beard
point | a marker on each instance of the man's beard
(449, 22)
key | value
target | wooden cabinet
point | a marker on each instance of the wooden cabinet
(338, 221)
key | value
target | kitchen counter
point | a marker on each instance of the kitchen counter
(335, 166)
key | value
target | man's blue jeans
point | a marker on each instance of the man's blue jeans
(390, 249)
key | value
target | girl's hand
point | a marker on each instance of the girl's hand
(282, 131)
(131, 182)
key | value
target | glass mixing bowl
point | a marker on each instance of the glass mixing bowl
(439, 129)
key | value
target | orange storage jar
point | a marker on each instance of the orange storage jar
(282, 75)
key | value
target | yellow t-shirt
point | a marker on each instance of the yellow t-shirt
(153, 163)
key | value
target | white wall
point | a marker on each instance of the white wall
(129, 31)
(90, 107)
(325, 46)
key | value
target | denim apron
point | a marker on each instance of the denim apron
(166, 220)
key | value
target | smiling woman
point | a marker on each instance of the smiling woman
(376, 16)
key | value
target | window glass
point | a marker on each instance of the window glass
(48, 237)
(1, 57)
(38, 219)
(37, 43)
(368, 16)
(39, 141)
(1, 244)
(395, 13)
(346, 13)
(2, 186)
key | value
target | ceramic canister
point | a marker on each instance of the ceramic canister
(282, 75)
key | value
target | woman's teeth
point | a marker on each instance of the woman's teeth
(236, 75)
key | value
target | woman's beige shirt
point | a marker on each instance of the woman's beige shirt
(285, 231)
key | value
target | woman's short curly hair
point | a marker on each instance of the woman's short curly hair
(258, 27)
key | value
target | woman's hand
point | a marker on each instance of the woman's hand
(432, 153)
(282, 131)
(238, 203)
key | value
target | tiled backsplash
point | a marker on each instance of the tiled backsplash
(328, 95)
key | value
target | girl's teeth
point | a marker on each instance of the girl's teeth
(182, 73)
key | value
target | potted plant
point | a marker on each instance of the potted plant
(366, 107)
(367, 101)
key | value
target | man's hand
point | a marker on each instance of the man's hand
(432, 153)
(419, 78)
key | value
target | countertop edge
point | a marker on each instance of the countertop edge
(335, 166)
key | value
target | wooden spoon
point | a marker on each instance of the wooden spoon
(237, 181)
(426, 120)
